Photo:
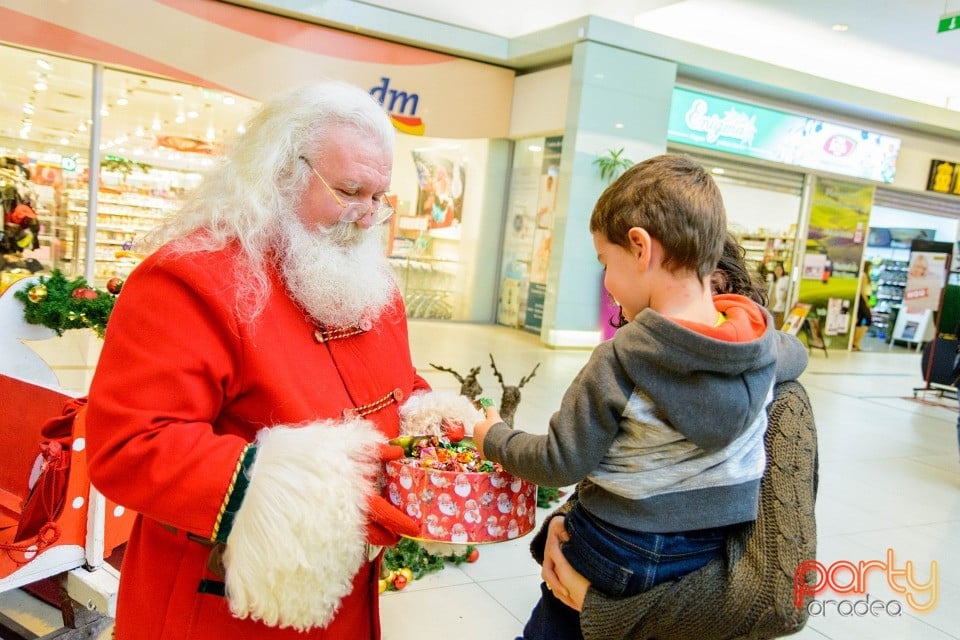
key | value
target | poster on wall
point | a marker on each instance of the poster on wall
(838, 317)
(440, 183)
(518, 246)
(839, 216)
(528, 233)
(926, 275)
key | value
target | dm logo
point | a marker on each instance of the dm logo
(401, 107)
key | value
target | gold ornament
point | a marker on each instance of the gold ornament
(37, 293)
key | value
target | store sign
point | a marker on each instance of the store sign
(401, 105)
(944, 177)
(709, 122)
(948, 22)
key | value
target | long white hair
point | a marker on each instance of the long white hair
(260, 178)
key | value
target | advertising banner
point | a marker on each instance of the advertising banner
(839, 216)
(710, 122)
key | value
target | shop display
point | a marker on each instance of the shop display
(763, 251)
(123, 216)
(25, 232)
(456, 496)
(427, 265)
(888, 279)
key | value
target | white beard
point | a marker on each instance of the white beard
(339, 276)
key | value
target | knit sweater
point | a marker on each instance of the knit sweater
(750, 593)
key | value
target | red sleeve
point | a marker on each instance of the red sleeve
(167, 365)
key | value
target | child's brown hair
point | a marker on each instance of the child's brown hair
(679, 205)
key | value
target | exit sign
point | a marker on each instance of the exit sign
(949, 22)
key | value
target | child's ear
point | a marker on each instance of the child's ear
(640, 246)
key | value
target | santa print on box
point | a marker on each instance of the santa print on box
(462, 507)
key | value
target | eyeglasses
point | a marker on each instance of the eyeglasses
(354, 211)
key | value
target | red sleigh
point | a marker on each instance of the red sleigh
(55, 527)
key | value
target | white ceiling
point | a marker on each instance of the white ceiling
(46, 103)
(891, 46)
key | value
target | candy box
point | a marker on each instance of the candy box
(459, 498)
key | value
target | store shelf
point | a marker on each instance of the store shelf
(888, 280)
(121, 218)
(762, 249)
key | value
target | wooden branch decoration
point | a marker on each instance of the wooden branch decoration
(510, 399)
(469, 385)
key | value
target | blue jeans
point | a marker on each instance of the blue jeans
(618, 562)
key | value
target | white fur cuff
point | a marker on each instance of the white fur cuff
(298, 538)
(423, 413)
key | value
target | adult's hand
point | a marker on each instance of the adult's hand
(562, 579)
(385, 522)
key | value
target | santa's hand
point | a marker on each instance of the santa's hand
(453, 429)
(385, 522)
(387, 452)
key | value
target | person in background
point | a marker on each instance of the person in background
(781, 286)
(662, 478)
(252, 372)
(864, 317)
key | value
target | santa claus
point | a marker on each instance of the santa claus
(253, 368)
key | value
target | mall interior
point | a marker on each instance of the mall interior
(853, 190)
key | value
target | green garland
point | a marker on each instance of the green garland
(53, 304)
(410, 553)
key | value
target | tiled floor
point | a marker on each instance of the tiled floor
(890, 479)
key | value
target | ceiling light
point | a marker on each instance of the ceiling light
(139, 131)
(122, 100)
(228, 100)
(40, 85)
(156, 124)
(718, 171)
(28, 109)
(43, 64)
(211, 134)
(180, 119)
(241, 128)
(81, 127)
(840, 27)
(535, 148)
(64, 141)
(104, 112)
(192, 114)
(619, 125)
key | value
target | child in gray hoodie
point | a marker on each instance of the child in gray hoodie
(664, 425)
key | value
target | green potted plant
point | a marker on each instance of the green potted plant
(612, 164)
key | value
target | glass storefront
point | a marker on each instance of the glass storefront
(158, 136)
(155, 138)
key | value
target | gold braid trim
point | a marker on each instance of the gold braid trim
(234, 495)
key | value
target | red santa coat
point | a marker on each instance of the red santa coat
(182, 387)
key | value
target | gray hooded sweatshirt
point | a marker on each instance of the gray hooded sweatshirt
(664, 426)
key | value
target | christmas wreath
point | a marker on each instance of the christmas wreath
(61, 304)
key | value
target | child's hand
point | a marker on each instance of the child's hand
(480, 429)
